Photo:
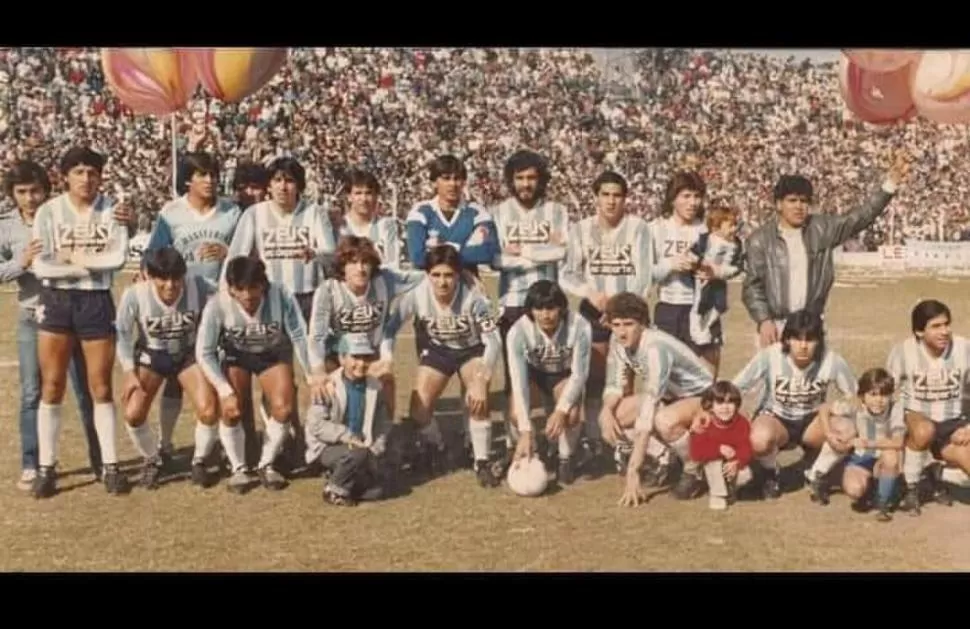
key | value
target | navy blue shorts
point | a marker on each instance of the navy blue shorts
(163, 363)
(547, 382)
(306, 306)
(87, 314)
(942, 433)
(448, 361)
(674, 319)
(601, 333)
(256, 364)
(796, 430)
(864, 461)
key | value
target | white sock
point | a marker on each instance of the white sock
(769, 461)
(169, 410)
(432, 432)
(567, 441)
(825, 461)
(714, 473)
(48, 431)
(744, 477)
(913, 463)
(143, 439)
(205, 440)
(275, 435)
(481, 434)
(106, 424)
(234, 443)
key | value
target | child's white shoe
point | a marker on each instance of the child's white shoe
(718, 503)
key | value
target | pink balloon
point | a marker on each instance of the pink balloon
(941, 86)
(876, 97)
(153, 81)
(878, 60)
(232, 74)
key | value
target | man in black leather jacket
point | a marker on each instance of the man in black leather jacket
(789, 263)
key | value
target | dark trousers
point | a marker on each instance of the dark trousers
(352, 471)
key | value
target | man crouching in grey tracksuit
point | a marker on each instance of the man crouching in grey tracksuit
(347, 434)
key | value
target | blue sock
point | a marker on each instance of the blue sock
(885, 489)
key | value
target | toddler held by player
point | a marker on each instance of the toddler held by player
(719, 258)
(720, 441)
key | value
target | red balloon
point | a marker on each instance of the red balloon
(877, 97)
(879, 60)
(154, 81)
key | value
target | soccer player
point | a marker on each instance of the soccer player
(795, 374)
(608, 253)
(77, 230)
(668, 370)
(356, 300)
(28, 185)
(347, 434)
(931, 370)
(448, 219)
(548, 357)
(872, 429)
(674, 234)
(532, 233)
(249, 184)
(258, 325)
(157, 324)
(361, 218)
(200, 226)
(456, 334)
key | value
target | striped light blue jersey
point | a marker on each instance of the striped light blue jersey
(337, 310)
(928, 385)
(276, 326)
(186, 229)
(566, 351)
(670, 240)
(61, 228)
(531, 230)
(792, 394)
(15, 237)
(608, 261)
(871, 427)
(465, 323)
(382, 232)
(470, 230)
(281, 240)
(666, 367)
(145, 320)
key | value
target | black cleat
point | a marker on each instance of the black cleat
(621, 458)
(200, 474)
(819, 490)
(911, 500)
(941, 491)
(566, 474)
(688, 487)
(115, 483)
(770, 487)
(337, 500)
(485, 473)
(862, 505)
(656, 474)
(884, 515)
(271, 479)
(45, 483)
(150, 472)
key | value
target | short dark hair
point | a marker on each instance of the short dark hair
(363, 179)
(442, 254)
(686, 180)
(927, 310)
(81, 156)
(351, 248)
(876, 379)
(289, 167)
(628, 306)
(447, 165)
(545, 295)
(793, 184)
(721, 391)
(524, 160)
(250, 173)
(803, 324)
(610, 177)
(203, 163)
(26, 172)
(246, 272)
(165, 263)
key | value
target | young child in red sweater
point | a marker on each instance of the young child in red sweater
(720, 441)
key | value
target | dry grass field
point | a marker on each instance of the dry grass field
(451, 523)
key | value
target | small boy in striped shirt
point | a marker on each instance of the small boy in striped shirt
(719, 255)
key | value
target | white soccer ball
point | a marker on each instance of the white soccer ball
(528, 477)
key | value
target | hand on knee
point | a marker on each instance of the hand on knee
(281, 411)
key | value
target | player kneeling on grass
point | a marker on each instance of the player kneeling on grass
(347, 433)
(455, 333)
(720, 441)
(258, 325)
(548, 358)
(669, 370)
(870, 430)
(157, 324)
(931, 370)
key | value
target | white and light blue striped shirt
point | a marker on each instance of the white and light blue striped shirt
(608, 261)
(792, 394)
(143, 318)
(928, 385)
(276, 326)
(567, 350)
(671, 240)
(60, 227)
(531, 231)
(891, 423)
(281, 240)
(383, 232)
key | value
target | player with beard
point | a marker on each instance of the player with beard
(608, 253)
(532, 233)
(361, 219)
(931, 370)
(200, 226)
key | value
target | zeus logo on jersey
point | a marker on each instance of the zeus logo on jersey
(528, 233)
(611, 260)
(285, 243)
(361, 318)
(937, 385)
(800, 391)
(675, 247)
(171, 326)
(554, 358)
(255, 336)
(445, 329)
(83, 236)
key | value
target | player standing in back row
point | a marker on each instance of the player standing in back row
(361, 219)
(608, 253)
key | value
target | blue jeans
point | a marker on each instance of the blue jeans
(30, 395)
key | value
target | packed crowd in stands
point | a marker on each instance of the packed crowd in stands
(742, 119)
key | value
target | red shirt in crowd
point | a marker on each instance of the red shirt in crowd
(705, 446)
